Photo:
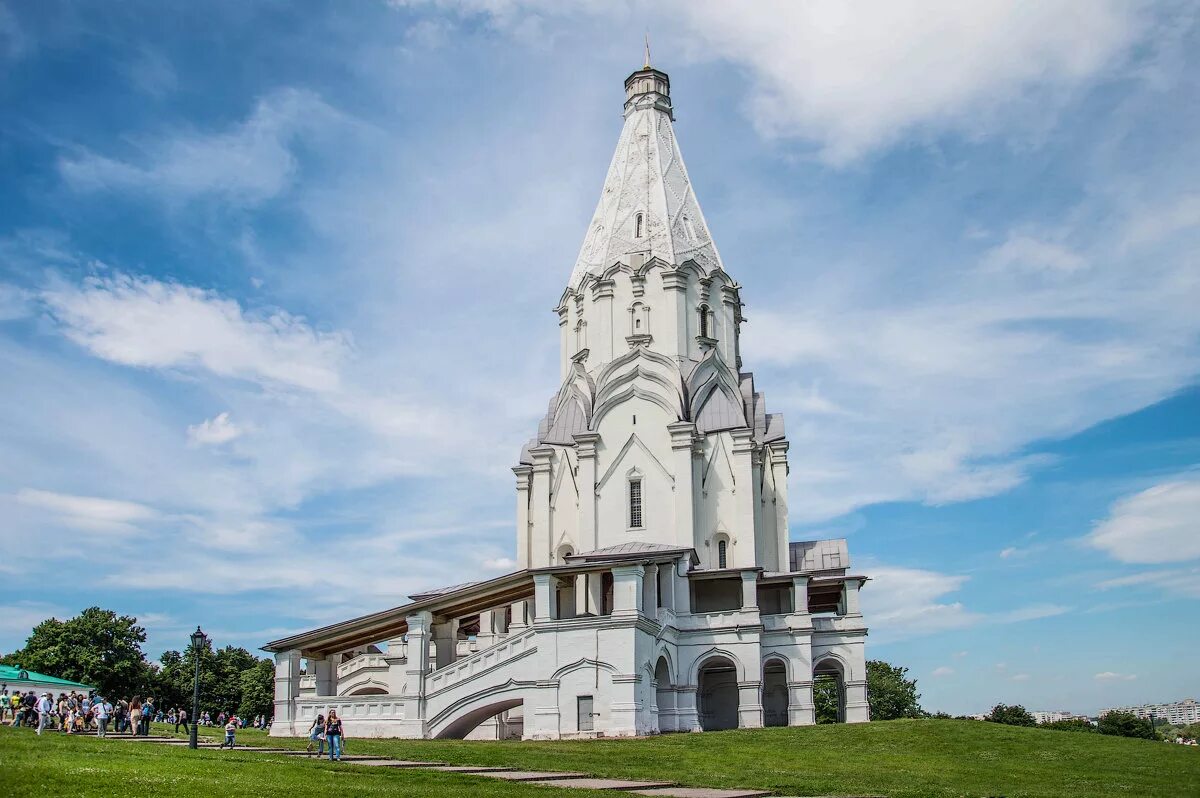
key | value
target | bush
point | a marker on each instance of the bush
(1125, 724)
(1071, 724)
(1016, 715)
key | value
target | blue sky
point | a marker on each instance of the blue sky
(276, 280)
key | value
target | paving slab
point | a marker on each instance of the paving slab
(396, 763)
(531, 775)
(701, 792)
(593, 783)
(468, 769)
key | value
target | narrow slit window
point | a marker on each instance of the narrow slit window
(703, 321)
(635, 504)
(638, 223)
(722, 551)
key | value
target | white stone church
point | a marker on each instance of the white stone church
(657, 589)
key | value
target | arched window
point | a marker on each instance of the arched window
(635, 503)
(639, 319)
(704, 330)
(722, 554)
(639, 223)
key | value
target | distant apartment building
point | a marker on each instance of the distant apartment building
(1178, 713)
(1058, 714)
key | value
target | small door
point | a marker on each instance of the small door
(584, 713)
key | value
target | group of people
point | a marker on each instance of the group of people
(326, 730)
(75, 713)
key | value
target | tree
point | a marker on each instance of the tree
(890, 694)
(97, 647)
(1125, 724)
(1016, 715)
(258, 690)
(825, 699)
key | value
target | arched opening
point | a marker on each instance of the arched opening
(636, 519)
(722, 554)
(718, 695)
(829, 691)
(493, 721)
(564, 551)
(775, 693)
(664, 696)
(705, 321)
(639, 225)
(368, 691)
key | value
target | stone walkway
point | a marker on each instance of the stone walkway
(544, 778)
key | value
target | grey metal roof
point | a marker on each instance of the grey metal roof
(441, 591)
(632, 550)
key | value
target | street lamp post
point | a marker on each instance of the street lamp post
(198, 640)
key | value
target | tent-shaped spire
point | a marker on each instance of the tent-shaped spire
(647, 206)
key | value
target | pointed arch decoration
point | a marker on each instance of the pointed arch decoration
(632, 442)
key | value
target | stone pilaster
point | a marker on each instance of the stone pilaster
(743, 498)
(779, 474)
(541, 536)
(524, 474)
(801, 710)
(287, 687)
(585, 443)
(627, 589)
(750, 711)
(683, 434)
(419, 631)
(749, 590)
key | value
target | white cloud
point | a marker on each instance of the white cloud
(214, 431)
(500, 564)
(88, 513)
(15, 302)
(1025, 253)
(909, 602)
(960, 654)
(1032, 612)
(250, 163)
(942, 671)
(1020, 677)
(857, 77)
(1183, 582)
(1158, 525)
(1109, 676)
(140, 321)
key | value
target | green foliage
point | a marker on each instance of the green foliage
(258, 690)
(891, 695)
(225, 676)
(1071, 724)
(825, 699)
(1125, 724)
(1016, 715)
(96, 647)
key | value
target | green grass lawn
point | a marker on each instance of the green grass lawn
(898, 759)
(57, 765)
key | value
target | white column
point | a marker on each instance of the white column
(605, 340)
(287, 687)
(397, 660)
(779, 472)
(681, 590)
(539, 511)
(445, 640)
(586, 447)
(650, 591)
(743, 498)
(801, 711)
(686, 717)
(581, 595)
(595, 591)
(682, 433)
(419, 628)
(543, 597)
(488, 633)
(850, 590)
(325, 669)
(519, 611)
(750, 711)
(627, 589)
(674, 332)
(749, 590)
(523, 473)
(800, 595)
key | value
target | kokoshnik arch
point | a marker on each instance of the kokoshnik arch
(657, 589)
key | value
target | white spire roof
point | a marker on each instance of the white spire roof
(646, 176)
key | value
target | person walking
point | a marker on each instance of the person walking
(181, 719)
(45, 706)
(316, 734)
(333, 734)
(147, 715)
(231, 727)
(135, 715)
(103, 712)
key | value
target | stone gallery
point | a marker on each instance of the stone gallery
(657, 590)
